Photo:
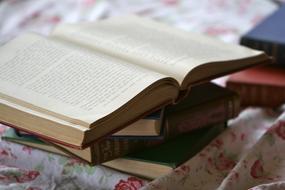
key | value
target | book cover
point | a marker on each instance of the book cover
(260, 86)
(159, 160)
(269, 36)
(206, 105)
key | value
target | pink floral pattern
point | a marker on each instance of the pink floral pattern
(27, 149)
(249, 153)
(19, 176)
(256, 170)
(224, 163)
(182, 170)
(280, 129)
(132, 183)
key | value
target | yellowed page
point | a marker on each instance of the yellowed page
(64, 81)
(151, 44)
(142, 127)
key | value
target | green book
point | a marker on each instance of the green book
(159, 160)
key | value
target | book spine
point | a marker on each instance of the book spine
(109, 149)
(201, 116)
(276, 50)
(258, 95)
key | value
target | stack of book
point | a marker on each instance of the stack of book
(126, 92)
(264, 86)
(172, 136)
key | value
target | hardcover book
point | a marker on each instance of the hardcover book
(206, 105)
(87, 81)
(162, 159)
(148, 127)
(97, 153)
(260, 86)
(269, 36)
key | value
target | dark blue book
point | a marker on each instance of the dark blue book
(269, 36)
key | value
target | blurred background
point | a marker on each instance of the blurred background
(225, 19)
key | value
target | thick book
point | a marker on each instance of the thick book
(260, 86)
(101, 151)
(149, 127)
(269, 36)
(162, 159)
(206, 105)
(87, 81)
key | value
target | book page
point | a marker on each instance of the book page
(68, 82)
(152, 45)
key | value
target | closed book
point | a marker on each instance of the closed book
(149, 163)
(99, 152)
(206, 105)
(269, 36)
(260, 86)
(150, 127)
(162, 159)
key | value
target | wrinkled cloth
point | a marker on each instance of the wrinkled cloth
(248, 155)
(250, 152)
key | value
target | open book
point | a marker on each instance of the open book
(86, 81)
(200, 109)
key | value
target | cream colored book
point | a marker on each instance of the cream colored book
(89, 80)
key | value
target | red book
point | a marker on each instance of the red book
(259, 86)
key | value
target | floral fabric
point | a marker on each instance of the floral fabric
(248, 155)
(250, 152)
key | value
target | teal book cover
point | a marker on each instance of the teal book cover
(11, 134)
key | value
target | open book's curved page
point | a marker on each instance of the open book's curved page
(152, 45)
(68, 81)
